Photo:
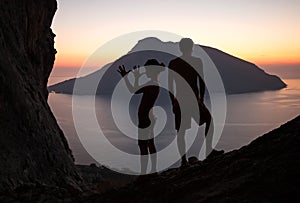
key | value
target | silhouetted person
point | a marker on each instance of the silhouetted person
(146, 117)
(190, 70)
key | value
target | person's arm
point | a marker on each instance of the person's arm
(171, 84)
(136, 74)
(123, 72)
(201, 82)
(202, 88)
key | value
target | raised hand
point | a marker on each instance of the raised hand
(122, 70)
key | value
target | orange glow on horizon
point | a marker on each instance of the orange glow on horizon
(76, 61)
(68, 60)
(279, 62)
(273, 61)
(261, 32)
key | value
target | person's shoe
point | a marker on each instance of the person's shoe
(153, 175)
(141, 178)
(193, 160)
(184, 164)
(215, 153)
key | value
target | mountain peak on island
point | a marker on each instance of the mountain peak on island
(153, 43)
(238, 75)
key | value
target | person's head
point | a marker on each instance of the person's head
(186, 46)
(153, 68)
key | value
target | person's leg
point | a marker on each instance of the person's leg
(151, 145)
(180, 135)
(181, 146)
(206, 118)
(209, 131)
(153, 155)
(144, 157)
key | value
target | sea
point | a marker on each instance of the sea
(248, 116)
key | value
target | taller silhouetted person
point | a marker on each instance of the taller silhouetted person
(189, 71)
(146, 117)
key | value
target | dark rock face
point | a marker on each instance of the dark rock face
(267, 170)
(33, 149)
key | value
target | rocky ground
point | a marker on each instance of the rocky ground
(266, 170)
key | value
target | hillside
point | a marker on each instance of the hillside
(266, 170)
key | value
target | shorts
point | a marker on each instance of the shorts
(146, 130)
(184, 121)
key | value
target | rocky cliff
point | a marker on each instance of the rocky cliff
(33, 149)
(267, 170)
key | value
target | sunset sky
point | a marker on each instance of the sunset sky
(260, 31)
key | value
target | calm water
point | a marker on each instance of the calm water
(248, 117)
